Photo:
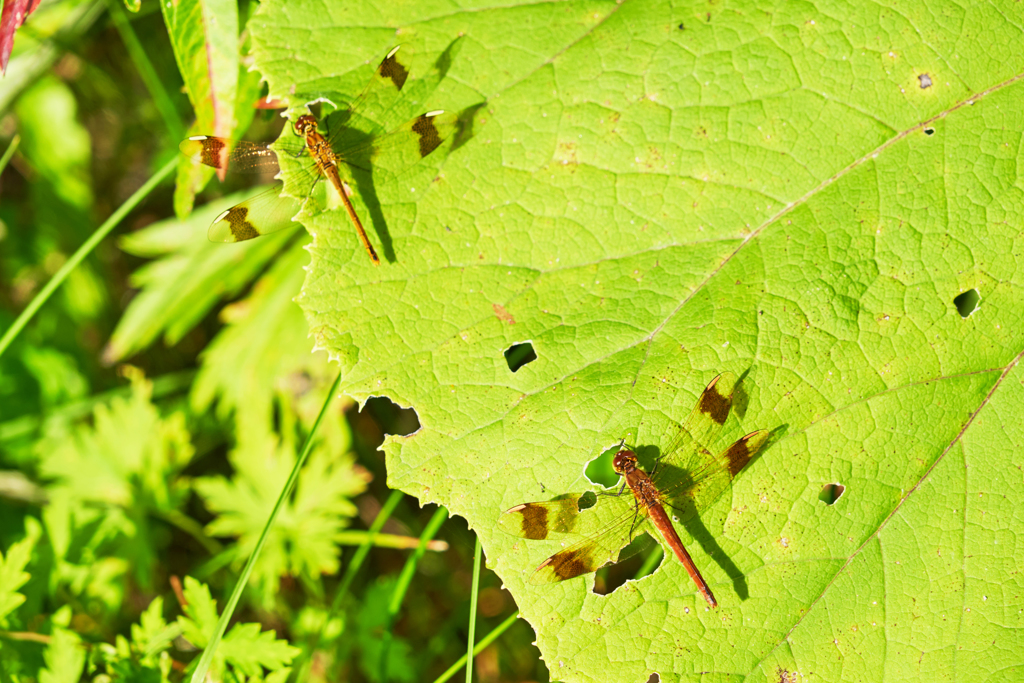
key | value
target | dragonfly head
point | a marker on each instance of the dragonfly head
(624, 462)
(304, 124)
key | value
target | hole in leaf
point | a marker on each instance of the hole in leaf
(682, 27)
(519, 355)
(600, 470)
(384, 416)
(636, 566)
(379, 417)
(967, 303)
(929, 131)
(925, 80)
(655, 678)
(830, 493)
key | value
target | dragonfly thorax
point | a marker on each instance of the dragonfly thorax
(624, 462)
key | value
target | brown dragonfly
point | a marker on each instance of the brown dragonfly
(687, 477)
(269, 212)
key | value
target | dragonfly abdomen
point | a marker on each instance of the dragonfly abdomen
(659, 518)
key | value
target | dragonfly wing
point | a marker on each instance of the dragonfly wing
(714, 478)
(404, 146)
(689, 475)
(381, 93)
(687, 447)
(695, 490)
(373, 108)
(547, 519)
(602, 533)
(589, 554)
(365, 145)
(238, 156)
(259, 215)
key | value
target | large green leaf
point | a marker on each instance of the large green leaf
(656, 193)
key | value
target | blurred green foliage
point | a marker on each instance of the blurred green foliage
(116, 479)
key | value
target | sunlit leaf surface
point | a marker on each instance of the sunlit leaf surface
(653, 194)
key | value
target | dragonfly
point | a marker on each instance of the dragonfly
(687, 477)
(269, 211)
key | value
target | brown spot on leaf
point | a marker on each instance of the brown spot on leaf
(500, 311)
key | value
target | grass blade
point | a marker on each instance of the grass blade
(161, 98)
(350, 573)
(9, 152)
(404, 579)
(652, 560)
(58, 279)
(484, 642)
(199, 674)
(359, 538)
(472, 611)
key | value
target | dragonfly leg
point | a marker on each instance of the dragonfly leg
(633, 525)
(679, 510)
(312, 189)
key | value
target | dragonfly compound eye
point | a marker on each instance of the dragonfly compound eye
(625, 461)
(304, 124)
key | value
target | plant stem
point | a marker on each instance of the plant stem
(484, 642)
(372, 538)
(472, 611)
(199, 675)
(404, 579)
(58, 279)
